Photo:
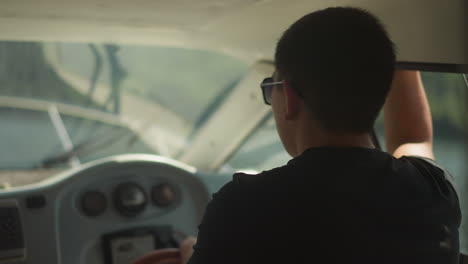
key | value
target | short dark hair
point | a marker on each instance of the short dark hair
(341, 60)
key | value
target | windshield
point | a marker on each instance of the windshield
(85, 101)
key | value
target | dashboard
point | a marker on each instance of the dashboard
(107, 211)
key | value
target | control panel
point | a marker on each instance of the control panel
(109, 211)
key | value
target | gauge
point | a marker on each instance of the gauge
(163, 195)
(93, 203)
(129, 199)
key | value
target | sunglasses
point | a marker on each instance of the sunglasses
(267, 88)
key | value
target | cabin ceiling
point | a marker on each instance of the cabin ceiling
(423, 30)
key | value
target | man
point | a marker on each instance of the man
(339, 200)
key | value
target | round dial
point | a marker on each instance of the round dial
(93, 203)
(163, 195)
(129, 199)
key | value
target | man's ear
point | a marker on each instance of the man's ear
(293, 102)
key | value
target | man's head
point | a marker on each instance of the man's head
(339, 62)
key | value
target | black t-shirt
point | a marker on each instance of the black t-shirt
(334, 205)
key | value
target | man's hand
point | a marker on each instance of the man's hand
(407, 118)
(186, 249)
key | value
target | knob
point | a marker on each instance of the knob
(93, 203)
(163, 195)
(129, 199)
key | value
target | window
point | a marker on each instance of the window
(110, 98)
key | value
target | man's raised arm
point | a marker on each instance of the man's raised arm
(407, 117)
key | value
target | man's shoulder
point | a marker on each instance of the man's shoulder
(245, 180)
(238, 203)
(422, 163)
(441, 179)
(250, 188)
